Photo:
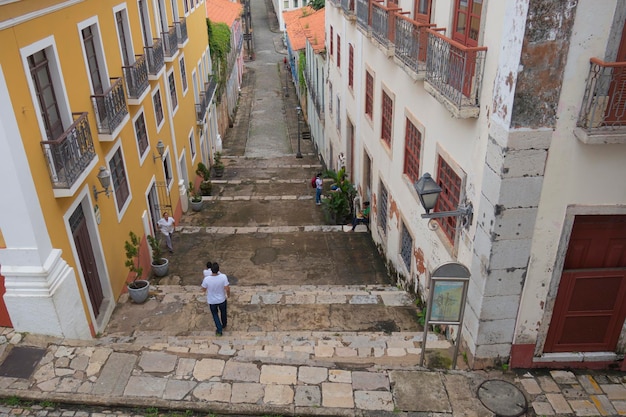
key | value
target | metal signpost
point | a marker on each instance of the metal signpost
(446, 301)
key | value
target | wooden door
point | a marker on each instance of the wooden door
(87, 260)
(616, 107)
(466, 30)
(590, 306)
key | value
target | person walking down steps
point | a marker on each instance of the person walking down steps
(217, 291)
(166, 226)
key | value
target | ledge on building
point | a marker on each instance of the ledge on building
(601, 136)
(463, 112)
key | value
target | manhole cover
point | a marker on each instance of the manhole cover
(502, 398)
(21, 362)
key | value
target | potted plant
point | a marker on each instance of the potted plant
(139, 288)
(338, 204)
(205, 173)
(218, 165)
(160, 265)
(195, 198)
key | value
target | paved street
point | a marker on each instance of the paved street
(316, 327)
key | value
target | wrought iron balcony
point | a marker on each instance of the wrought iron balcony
(71, 153)
(110, 107)
(201, 107)
(411, 43)
(602, 117)
(136, 77)
(363, 14)
(210, 87)
(383, 23)
(154, 55)
(348, 7)
(181, 31)
(454, 74)
(170, 42)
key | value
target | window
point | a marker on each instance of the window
(46, 95)
(141, 133)
(144, 20)
(118, 179)
(422, 11)
(338, 113)
(406, 247)
(330, 101)
(167, 170)
(186, 6)
(338, 51)
(183, 73)
(295, 3)
(125, 43)
(369, 94)
(467, 21)
(331, 41)
(350, 66)
(412, 149)
(449, 197)
(286, 4)
(382, 208)
(89, 35)
(158, 108)
(172, 86)
(387, 119)
(192, 145)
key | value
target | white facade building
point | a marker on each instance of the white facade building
(516, 108)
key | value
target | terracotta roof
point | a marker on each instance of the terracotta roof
(223, 11)
(305, 23)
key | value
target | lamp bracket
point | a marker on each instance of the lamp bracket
(465, 211)
(96, 192)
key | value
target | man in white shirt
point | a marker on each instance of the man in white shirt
(166, 226)
(217, 291)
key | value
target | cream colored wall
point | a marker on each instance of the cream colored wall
(579, 178)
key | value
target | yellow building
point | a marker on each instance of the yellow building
(89, 91)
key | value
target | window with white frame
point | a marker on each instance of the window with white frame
(382, 208)
(141, 133)
(167, 170)
(338, 113)
(171, 82)
(192, 145)
(119, 181)
(330, 95)
(183, 73)
(158, 108)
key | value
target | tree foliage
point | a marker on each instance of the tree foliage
(219, 47)
(317, 4)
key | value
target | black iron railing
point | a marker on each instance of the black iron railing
(136, 77)
(155, 56)
(71, 153)
(604, 102)
(383, 23)
(181, 31)
(411, 43)
(110, 107)
(363, 13)
(170, 42)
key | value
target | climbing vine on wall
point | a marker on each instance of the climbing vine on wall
(219, 46)
(301, 65)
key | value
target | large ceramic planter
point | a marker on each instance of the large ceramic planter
(195, 205)
(139, 291)
(161, 269)
(219, 171)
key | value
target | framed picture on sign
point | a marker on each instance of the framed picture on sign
(447, 301)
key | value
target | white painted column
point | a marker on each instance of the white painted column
(42, 294)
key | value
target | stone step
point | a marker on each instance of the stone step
(232, 230)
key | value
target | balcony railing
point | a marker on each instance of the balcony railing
(205, 99)
(383, 20)
(455, 71)
(154, 55)
(110, 107)
(136, 77)
(348, 6)
(70, 154)
(181, 31)
(363, 13)
(411, 43)
(170, 42)
(604, 102)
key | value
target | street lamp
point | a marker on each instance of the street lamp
(104, 177)
(299, 154)
(160, 149)
(428, 192)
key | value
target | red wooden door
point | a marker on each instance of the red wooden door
(87, 259)
(590, 306)
(616, 107)
(466, 30)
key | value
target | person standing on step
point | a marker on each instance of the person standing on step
(319, 184)
(166, 226)
(217, 291)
